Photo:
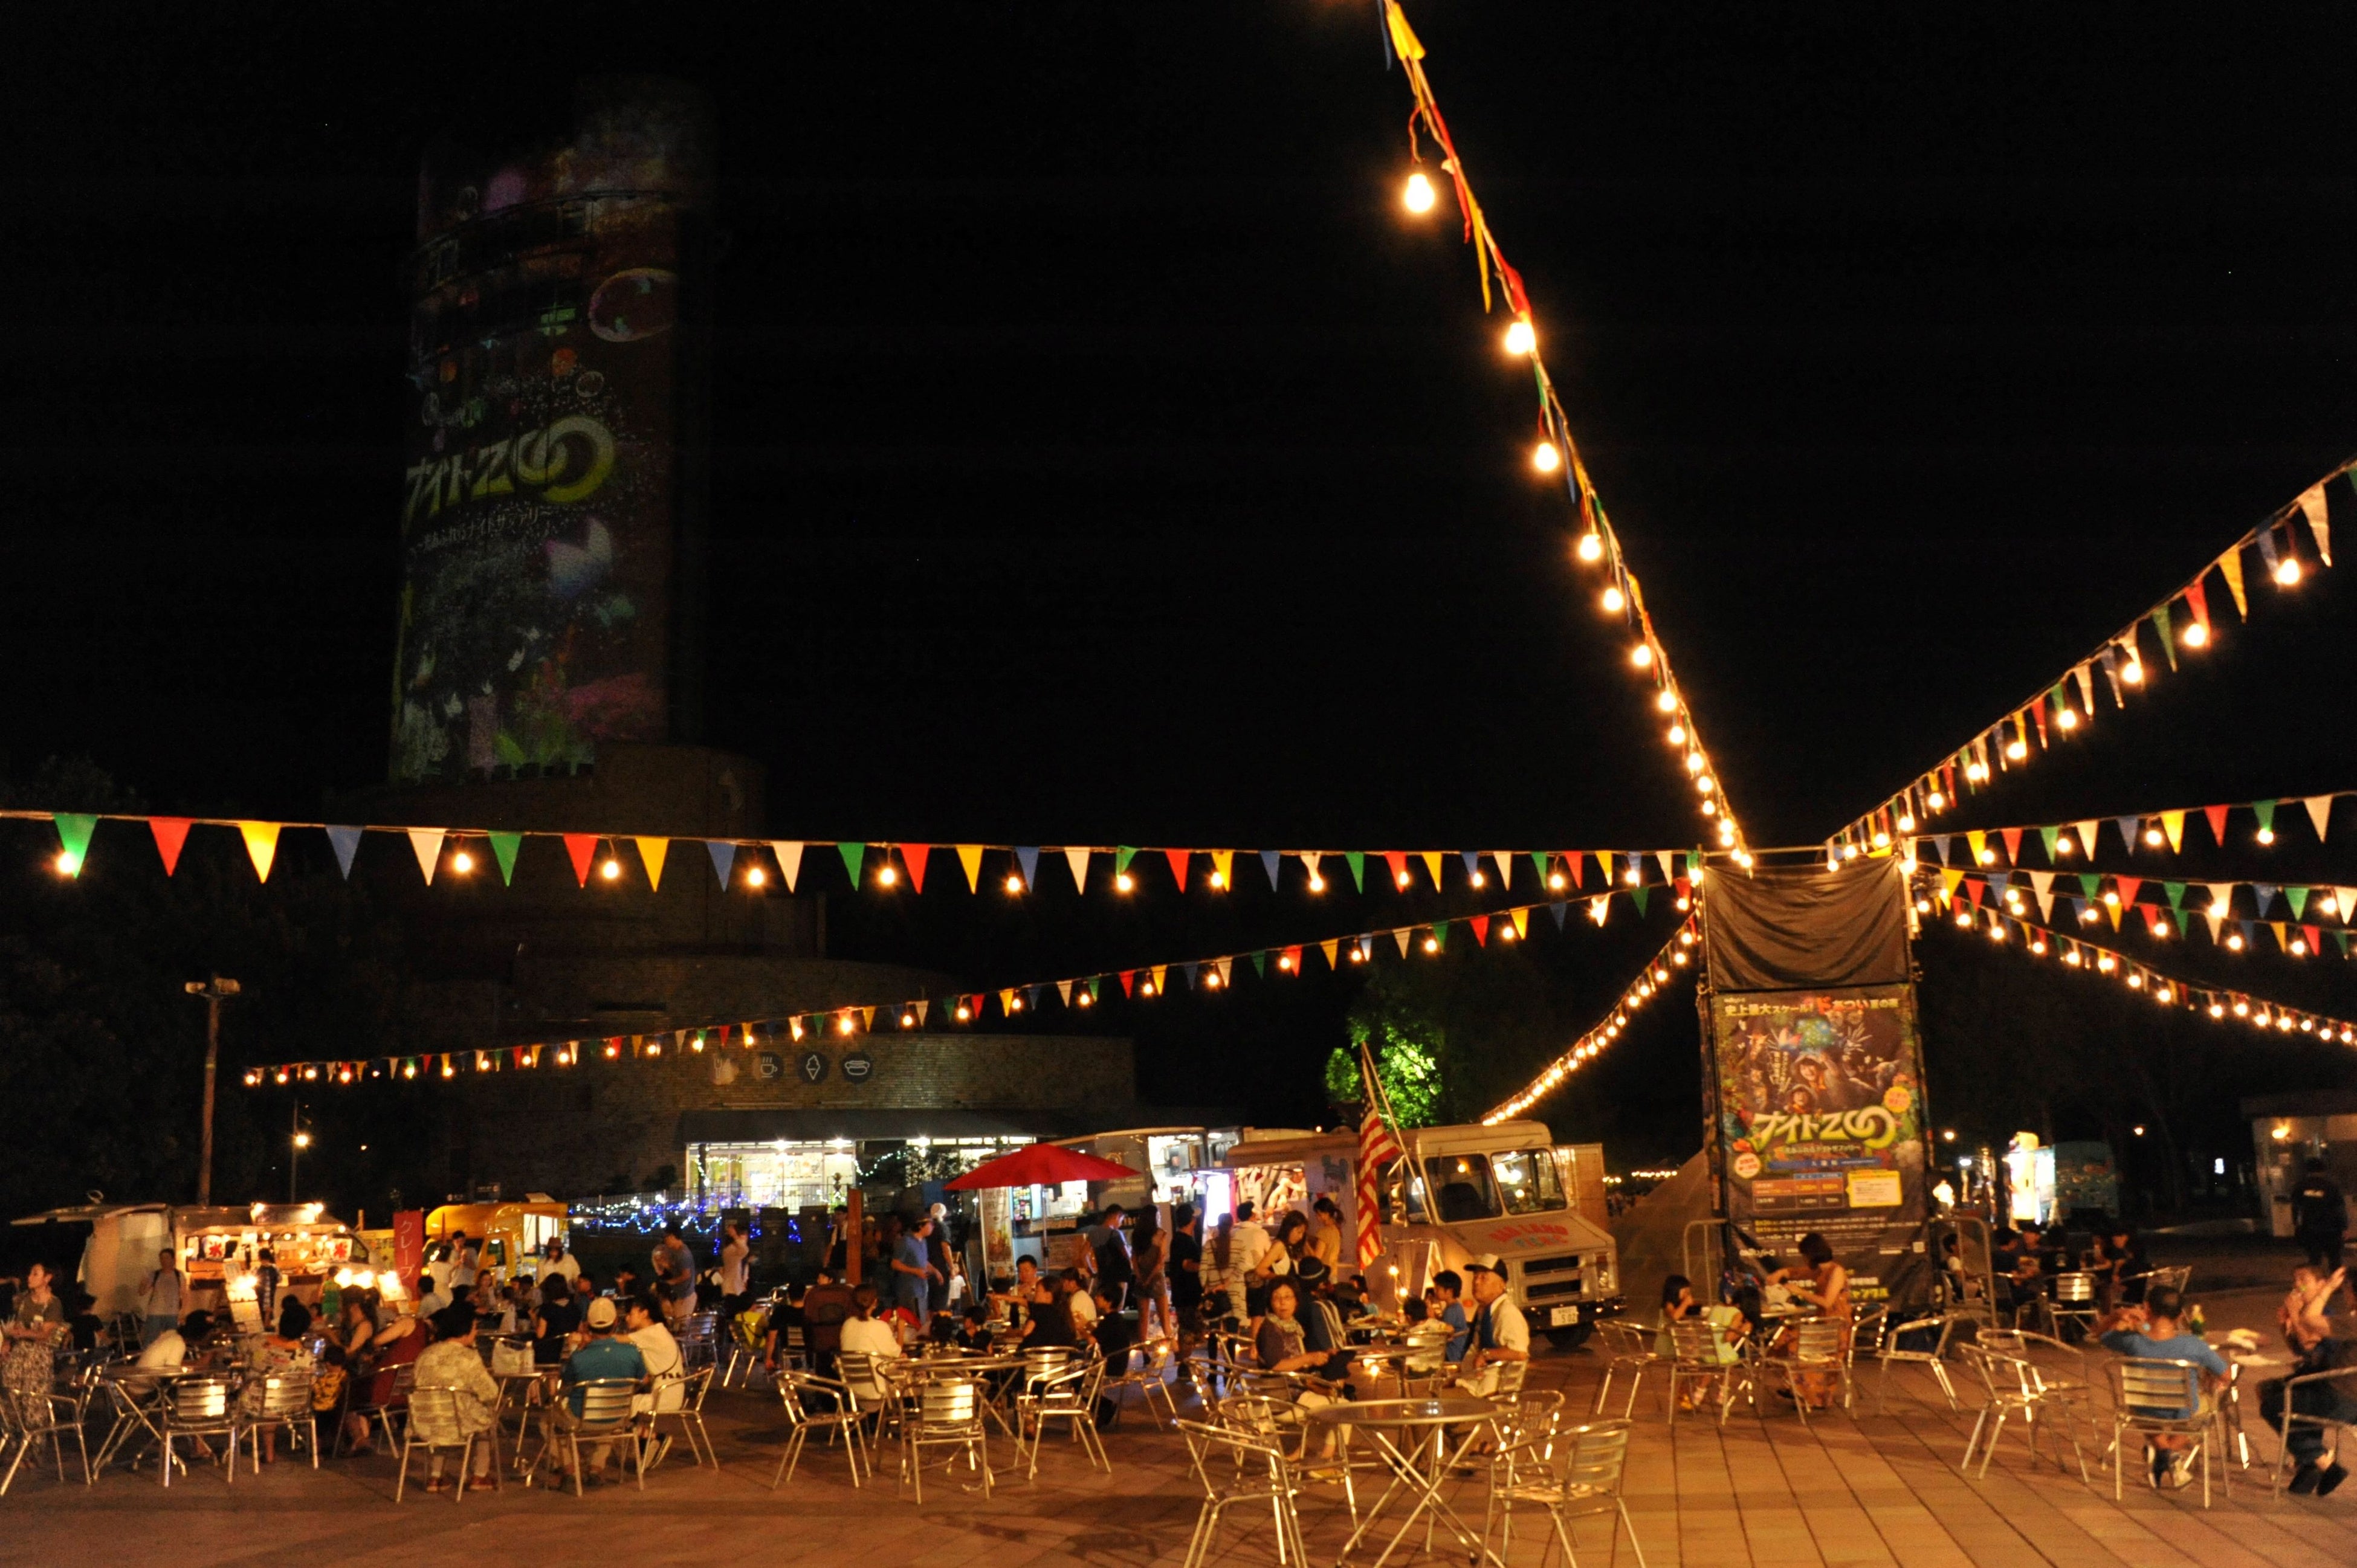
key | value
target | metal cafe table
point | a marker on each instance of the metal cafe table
(1411, 1437)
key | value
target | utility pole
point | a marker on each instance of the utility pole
(213, 991)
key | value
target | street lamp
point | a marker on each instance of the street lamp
(213, 991)
(301, 1141)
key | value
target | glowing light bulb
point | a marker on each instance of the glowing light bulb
(755, 877)
(908, 1020)
(2112, 897)
(2288, 573)
(1987, 857)
(2016, 749)
(2067, 718)
(1480, 878)
(965, 1013)
(461, 862)
(1402, 879)
(2065, 844)
(1211, 981)
(1015, 882)
(1123, 882)
(2153, 837)
(2165, 994)
(1666, 700)
(2196, 635)
(2217, 1010)
(1710, 808)
(1630, 877)
(2299, 947)
(1219, 879)
(1546, 457)
(1964, 920)
(844, 1024)
(2242, 1009)
(1642, 656)
(1906, 822)
(1506, 933)
(68, 863)
(1677, 735)
(2072, 959)
(1417, 195)
(1359, 955)
(887, 874)
(1088, 999)
(1432, 944)
(2266, 835)
(1554, 880)
(1936, 800)
(612, 870)
(2234, 942)
(1614, 601)
(1923, 905)
(1519, 338)
(1317, 882)
(2133, 672)
(2088, 916)
(2037, 946)
(1591, 547)
(2136, 983)
(2329, 904)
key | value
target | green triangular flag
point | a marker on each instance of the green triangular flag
(504, 847)
(2167, 643)
(2176, 891)
(1440, 935)
(2343, 938)
(1092, 986)
(73, 833)
(1694, 861)
(1260, 964)
(853, 854)
(1637, 896)
(2298, 896)
(2047, 836)
(1121, 859)
(1358, 862)
(2267, 814)
(2092, 882)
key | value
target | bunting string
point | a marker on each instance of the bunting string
(2065, 844)
(2089, 898)
(1554, 451)
(1077, 994)
(2181, 620)
(1649, 982)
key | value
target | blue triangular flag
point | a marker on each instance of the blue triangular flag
(1269, 860)
(2078, 906)
(2264, 892)
(347, 842)
(1997, 883)
(2250, 932)
(1559, 909)
(2267, 548)
(1940, 842)
(1191, 969)
(1472, 862)
(2127, 831)
(1028, 857)
(1030, 1000)
(724, 855)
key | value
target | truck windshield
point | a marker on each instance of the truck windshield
(1488, 1186)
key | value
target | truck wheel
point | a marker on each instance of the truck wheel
(1570, 1338)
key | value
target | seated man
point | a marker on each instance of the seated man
(2150, 1331)
(1446, 1288)
(604, 1355)
(2308, 1334)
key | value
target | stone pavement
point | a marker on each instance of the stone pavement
(1867, 1492)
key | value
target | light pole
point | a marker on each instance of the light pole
(213, 991)
(300, 1140)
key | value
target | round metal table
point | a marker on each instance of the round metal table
(1411, 1437)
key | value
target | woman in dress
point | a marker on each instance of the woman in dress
(279, 1355)
(1149, 1255)
(1823, 1284)
(32, 1335)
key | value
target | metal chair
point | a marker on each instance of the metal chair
(1260, 1474)
(2074, 1302)
(1149, 1373)
(698, 1340)
(1573, 1473)
(405, 1379)
(2154, 1397)
(945, 1413)
(285, 1402)
(1068, 1396)
(26, 1419)
(688, 1415)
(440, 1408)
(606, 1416)
(2285, 1421)
(794, 1391)
(1627, 1349)
(1816, 1347)
(197, 1408)
(1701, 1356)
(2017, 1387)
(1893, 1350)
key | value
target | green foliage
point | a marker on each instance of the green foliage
(1407, 1042)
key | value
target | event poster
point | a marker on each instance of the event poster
(1819, 1099)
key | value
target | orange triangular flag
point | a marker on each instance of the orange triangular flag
(2231, 563)
(1178, 859)
(583, 848)
(1400, 936)
(651, 851)
(970, 857)
(1331, 949)
(171, 834)
(1432, 864)
(262, 845)
(2319, 812)
(789, 861)
(867, 1018)
(2173, 824)
(427, 843)
(1522, 922)
(914, 856)
(1223, 863)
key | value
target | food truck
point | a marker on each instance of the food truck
(511, 1234)
(220, 1249)
(1174, 1165)
(1461, 1191)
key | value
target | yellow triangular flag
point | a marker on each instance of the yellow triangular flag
(2087, 831)
(2114, 909)
(2231, 563)
(1978, 843)
(1331, 950)
(651, 851)
(1599, 908)
(1522, 922)
(1159, 970)
(1432, 864)
(970, 857)
(1952, 877)
(262, 845)
(1401, 937)
(427, 843)
(1007, 1001)
(1604, 859)
(2283, 933)
(868, 1017)
(1505, 859)
(789, 861)
(1223, 863)
(919, 1006)
(2345, 900)
(2173, 824)
(2319, 812)
(1404, 38)
(1223, 965)
(1064, 990)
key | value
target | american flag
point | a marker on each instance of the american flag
(1376, 1146)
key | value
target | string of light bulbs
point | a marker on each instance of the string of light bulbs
(1554, 452)
(1509, 926)
(2179, 619)
(2138, 831)
(2118, 896)
(1665, 965)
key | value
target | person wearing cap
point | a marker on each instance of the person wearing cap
(602, 1356)
(1500, 1335)
(451, 1362)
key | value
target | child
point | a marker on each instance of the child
(1445, 1289)
(973, 1334)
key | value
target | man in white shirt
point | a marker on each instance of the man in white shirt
(736, 1272)
(1500, 1334)
(432, 1295)
(648, 1332)
(167, 1351)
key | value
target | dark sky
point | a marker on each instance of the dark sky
(1101, 454)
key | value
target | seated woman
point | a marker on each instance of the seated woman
(280, 1354)
(1823, 1284)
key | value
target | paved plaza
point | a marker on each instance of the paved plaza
(1846, 1492)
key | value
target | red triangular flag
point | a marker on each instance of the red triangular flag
(583, 848)
(1178, 859)
(914, 856)
(2217, 819)
(2127, 886)
(1481, 924)
(171, 834)
(1973, 886)
(2012, 837)
(1397, 860)
(1572, 859)
(1129, 983)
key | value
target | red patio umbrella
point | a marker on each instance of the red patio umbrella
(1041, 1164)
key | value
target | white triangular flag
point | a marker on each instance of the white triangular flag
(1078, 859)
(2345, 900)
(2217, 922)
(2087, 839)
(2041, 886)
(427, 843)
(2086, 676)
(1221, 964)
(2319, 812)
(1309, 859)
(1505, 859)
(1668, 857)
(2319, 520)
(2222, 896)
(789, 861)
(1400, 936)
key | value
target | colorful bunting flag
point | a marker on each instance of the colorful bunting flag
(260, 846)
(854, 856)
(503, 850)
(651, 851)
(427, 843)
(582, 849)
(969, 862)
(914, 856)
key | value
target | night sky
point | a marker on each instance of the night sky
(1102, 455)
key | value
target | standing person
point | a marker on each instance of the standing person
(1115, 1269)
(942, 1255)
(265, 1285)
(913, 1270)
(2319, 1218)
(827, 1306)
(1500, 1334)
(165, 1295)
(556, 1321)
(1326, 1233)
(557, 1260)
(736, 1269)
(1183, 1268)
(1224, 1272)
(35, 1328)
(674, 1265)
(1149, 1254)
(451, 1362)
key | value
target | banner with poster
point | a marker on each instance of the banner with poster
(1819, 1104)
